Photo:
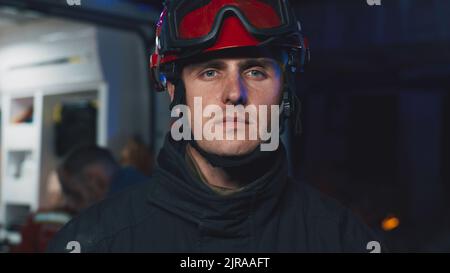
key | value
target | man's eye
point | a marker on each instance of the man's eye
(209, 74)
(256, 74)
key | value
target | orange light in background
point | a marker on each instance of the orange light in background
(390, 223)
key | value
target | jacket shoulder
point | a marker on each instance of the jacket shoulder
(333, 222)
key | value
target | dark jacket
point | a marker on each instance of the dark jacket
(175, 212)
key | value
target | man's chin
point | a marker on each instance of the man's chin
(229, 147)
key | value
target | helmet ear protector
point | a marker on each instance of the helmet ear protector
(298, 60)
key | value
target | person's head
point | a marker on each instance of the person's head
(228, 53)
(85, 174)
(136, 154)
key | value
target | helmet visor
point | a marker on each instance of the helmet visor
(196, 21)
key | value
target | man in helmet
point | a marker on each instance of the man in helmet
(222, 194)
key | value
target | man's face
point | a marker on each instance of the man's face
(232, 81)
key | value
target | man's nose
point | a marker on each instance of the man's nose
(235, 90)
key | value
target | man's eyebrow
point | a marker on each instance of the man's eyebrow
(246, 63)
(263, 62)
(217, 64)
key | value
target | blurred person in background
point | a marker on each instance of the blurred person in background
(136, 154)
(84, 176)
(53, 193)
(137, 165)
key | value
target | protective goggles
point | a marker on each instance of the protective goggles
(193, 23)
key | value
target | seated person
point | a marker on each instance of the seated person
(84, 176)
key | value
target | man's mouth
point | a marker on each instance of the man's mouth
(234, 120)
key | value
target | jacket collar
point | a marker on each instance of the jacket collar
(177, 191)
